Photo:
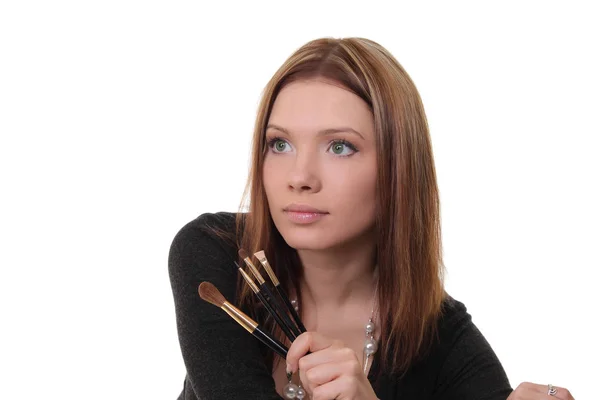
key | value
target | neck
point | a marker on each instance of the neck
(335, 277)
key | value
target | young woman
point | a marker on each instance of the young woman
(343, 199)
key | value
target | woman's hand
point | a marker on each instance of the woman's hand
(531, 391)
(331, 371)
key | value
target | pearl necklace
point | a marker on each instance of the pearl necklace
(292, 391)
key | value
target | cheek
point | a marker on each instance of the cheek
(355, 183)
(271, 177)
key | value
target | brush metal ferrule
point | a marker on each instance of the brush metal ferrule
(249, 280)
(248, 323)
(265, 263)
(255, 272)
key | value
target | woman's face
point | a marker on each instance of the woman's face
(321, 156)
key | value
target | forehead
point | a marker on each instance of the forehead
(317, 104)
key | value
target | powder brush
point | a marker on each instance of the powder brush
(211, 294)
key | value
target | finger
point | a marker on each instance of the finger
(308, 341)
(343, 387)
(329, 358)
(325, 373)
(526, 390)
(533, 390)
(327, 355)
(561, 393)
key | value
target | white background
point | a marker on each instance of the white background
(121, 121)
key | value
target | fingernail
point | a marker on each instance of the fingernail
(288, 368)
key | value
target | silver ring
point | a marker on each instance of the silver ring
(551, 390)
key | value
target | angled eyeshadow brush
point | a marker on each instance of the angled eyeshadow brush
(264, 301)
(264, 288)
(211, 294)
(260, 255)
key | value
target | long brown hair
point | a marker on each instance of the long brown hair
(408, 231)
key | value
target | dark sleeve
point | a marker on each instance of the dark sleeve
(471, 370)
(222, 360)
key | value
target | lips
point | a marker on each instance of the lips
(302, 208)
(303, 214)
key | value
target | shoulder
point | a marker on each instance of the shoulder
(207, 221)
(467, 366)
(453, 324)
(206, 229)
(458, 364)
(204, 241)
(203, 250)
(455, 335)
(453, 315)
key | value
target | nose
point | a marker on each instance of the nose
(304, 175)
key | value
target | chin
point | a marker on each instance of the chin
(310, 244)
(301, 238)
(327, 234)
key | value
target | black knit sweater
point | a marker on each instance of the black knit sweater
(223, 361)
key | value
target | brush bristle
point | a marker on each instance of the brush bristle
(243, 253)
(265, 263)
(210, 293)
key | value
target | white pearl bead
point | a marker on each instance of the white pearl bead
(370, 346)
(370, 327)
(290, 390)
(300, 394)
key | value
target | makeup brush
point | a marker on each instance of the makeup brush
(264, 288)
(210, 293)
(260, 255)
(267, 305)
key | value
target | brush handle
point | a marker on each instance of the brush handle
(289, 306)
(280, 309)
(290, 335)
(271, 343)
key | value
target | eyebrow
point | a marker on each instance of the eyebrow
(323, 132)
